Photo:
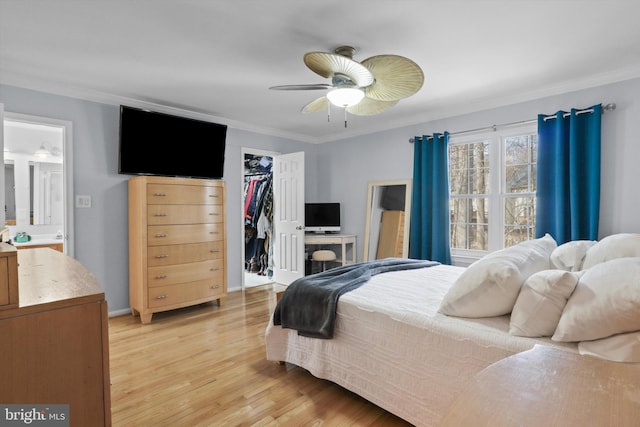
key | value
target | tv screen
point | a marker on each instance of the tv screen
(322, 217)
(154, 143)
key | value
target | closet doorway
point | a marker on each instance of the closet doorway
(257, 216)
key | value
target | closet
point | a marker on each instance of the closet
(257, 219)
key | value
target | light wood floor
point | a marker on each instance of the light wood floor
(206, 366)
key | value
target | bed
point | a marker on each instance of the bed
(394, 345)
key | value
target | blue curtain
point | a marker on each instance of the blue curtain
(429, 238)
(568, 177)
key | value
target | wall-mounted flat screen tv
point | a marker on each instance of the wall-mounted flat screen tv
(153, 143)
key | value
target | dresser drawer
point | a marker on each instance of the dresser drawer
(179, 254)
(184, 214)
(179, 234)
(170, 194)
(179, 294)
(181, 273)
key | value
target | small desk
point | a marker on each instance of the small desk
(549, 387)
(347, 244)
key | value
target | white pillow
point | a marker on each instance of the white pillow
(569, 256)
(611, 247)
(489, 287)
(540, 303)
(619, 348)
(606, 302)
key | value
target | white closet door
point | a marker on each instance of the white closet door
(288, 217)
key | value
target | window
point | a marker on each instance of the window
(492, 183)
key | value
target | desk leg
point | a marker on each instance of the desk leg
(353, 252)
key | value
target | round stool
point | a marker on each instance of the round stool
(323, 256)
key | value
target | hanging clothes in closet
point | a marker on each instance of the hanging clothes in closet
(258, 214)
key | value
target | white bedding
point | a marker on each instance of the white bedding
(392, 347)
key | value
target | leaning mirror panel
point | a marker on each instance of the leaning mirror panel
(387, 220)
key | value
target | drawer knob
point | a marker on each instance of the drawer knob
(160, 214)
(214, 232)
(215, 196)
(162, 256)
(159, 235)
(214, 251)
(214, 269)
(214, 213)
(215, 286)
(160, 194)
(161, 276)
(161, 297)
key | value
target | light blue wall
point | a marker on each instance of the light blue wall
(337, 171)
(101, 232)
(345, 167)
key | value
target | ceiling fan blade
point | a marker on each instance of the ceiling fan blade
(312, 86)
(317, 105)
(329, 64)
(396, 77)
(369, 107)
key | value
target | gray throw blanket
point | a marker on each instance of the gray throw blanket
(309, 303)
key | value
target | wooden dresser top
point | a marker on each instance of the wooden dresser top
(50, 278)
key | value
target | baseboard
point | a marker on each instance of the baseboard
(120, 312)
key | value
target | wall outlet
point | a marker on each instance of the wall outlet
(83, 201)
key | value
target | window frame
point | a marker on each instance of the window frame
(495, 138)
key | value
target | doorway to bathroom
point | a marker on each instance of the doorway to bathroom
(38, 180)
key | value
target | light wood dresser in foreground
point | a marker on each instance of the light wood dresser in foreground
(55, 343)
(177, 243)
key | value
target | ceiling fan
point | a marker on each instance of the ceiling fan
(362, 88)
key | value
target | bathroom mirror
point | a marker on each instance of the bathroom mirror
(388, 219)
(9, 193)
(43, 204)
(46, 194)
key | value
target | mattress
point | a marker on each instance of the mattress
(392, 347)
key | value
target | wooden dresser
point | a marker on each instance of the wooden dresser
(55, 346)
(177, 243)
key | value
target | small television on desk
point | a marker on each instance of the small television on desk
(322, 217)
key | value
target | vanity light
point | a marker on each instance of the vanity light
(42, 152)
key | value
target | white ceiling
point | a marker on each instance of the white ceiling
(216, 59)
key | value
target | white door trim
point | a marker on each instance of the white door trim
(67, 169)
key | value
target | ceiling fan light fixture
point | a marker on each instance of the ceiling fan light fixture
(345, 97)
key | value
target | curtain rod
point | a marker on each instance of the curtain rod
(608, 107)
